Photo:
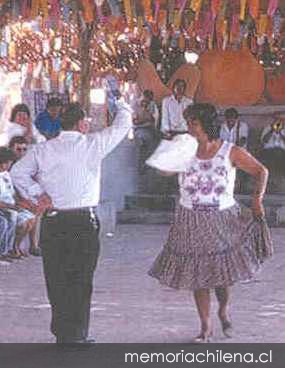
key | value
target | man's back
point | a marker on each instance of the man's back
(68, 167)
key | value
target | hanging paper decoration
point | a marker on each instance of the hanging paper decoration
(128, 11)
(242, 9)
(39, 6)
(276, 23)
(147, 10)
(171, 7)
(162, 18)
(272, 7)
(115, 7)
(140, 23)
(156, 10)
(254, 8)
(54, 12)
(99, 4)
(196, 7)
(25, 9)
(177, 18)
(235, 29)
(65, 10)
(215, 6)
(88, 10)
(3, 49)
(262, 24)
(181, 5)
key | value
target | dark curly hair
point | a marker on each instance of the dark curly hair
(19, 108)
(207, 116)
(71, 116)
(231, 113)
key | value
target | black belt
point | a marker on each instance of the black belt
(72, 211)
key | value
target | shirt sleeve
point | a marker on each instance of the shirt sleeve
(156, 116)
(23, 173)
(244, 130)
(265, 131)
(37, 136)
(165, 122)
(110, 137)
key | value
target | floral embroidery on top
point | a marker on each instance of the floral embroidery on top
(209, 182)
(221, 170)
(205, 166)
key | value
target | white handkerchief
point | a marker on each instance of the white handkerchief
(174, 155)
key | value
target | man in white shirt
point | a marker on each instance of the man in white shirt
(273, 145)
(233, 130)
(172, 120)
(62, 176)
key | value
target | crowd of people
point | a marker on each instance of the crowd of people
(151, 124)
(18, 223)
(45, 183)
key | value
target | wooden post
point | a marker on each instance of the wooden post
(86, 36)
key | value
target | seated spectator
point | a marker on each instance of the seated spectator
(144, 128)
(19, 145)
(172, 120)
(152, 107)
(48, 121)
(233, 130)
(7, 237)
(15, 220)
(20, 125)
(273, 145)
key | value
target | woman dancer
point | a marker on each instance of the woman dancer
(214, 242)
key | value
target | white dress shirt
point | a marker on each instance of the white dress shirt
(68, 167)
(230, 135)
(275, 141)
(12, 130)
(172, 114)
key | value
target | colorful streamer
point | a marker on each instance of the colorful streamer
(215, 6)
(254, 8)
(242, 9)
(128, 11)
(88, 10)
(147, 10)
(39, 6)
(272, 7)
(115, 7)
(196, 7)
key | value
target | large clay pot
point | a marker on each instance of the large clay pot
(191, 74)
(147, 78)
(275, 88)
(230, 78)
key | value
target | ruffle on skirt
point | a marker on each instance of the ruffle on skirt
(207, 248)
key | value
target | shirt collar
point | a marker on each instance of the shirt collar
(174, 99)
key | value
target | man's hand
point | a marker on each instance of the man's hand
(257, 207)
(44, 203)
(26, 204)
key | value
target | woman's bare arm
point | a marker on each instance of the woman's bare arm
(244, 161)
(166, 173)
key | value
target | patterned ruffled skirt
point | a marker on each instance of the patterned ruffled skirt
(207, 248)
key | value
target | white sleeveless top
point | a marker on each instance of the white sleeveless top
(209, 182)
